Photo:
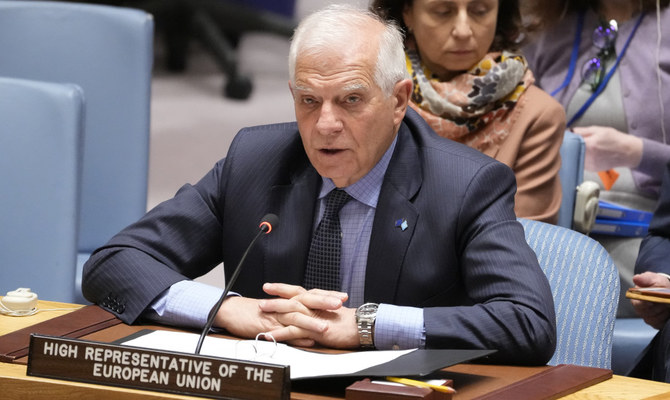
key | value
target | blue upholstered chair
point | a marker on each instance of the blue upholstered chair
(40, 159)
(580, 199)
(631, 335)
(108, 52)
(571, 174)
(585, 285)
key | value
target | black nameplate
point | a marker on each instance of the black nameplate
(172, 372)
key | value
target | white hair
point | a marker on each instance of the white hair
(335, 25)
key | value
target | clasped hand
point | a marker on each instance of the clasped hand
(295, 315)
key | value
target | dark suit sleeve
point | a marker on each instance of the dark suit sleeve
(179, 239)
(508, 303)
(654, 252)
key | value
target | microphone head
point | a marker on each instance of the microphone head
(268, 222)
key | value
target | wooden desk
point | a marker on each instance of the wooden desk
(11, 324)
(470, 380)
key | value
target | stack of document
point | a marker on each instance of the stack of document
(616, 220)
(310, 364)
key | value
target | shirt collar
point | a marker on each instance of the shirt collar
(366, 190)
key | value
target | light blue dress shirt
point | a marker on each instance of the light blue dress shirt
(188, 303)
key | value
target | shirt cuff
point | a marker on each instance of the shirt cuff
(399, 327)
(185, 304)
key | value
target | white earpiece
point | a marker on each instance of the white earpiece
(586, 206)
(19, 302)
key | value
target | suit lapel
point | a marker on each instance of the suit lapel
(287, 247)
(395, 220)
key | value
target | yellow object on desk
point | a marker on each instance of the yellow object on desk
(412, 382)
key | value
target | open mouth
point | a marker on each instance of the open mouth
(330, 151)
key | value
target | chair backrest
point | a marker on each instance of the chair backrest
(108, 52)
(571, 173)
(41, 127)
(585, 285)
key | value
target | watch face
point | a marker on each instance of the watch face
(367, 309)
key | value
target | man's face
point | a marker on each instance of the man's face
(346, 123)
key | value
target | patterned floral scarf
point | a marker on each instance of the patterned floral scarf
(476, 107)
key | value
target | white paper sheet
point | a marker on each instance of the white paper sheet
(304, 364)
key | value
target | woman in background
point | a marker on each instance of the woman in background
(472, 86)
(602, 61)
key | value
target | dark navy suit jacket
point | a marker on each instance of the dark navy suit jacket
(654, 256)
(654, 252)
(463, 257)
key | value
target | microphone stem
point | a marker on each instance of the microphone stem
(231, 281)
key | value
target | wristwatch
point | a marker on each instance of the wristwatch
(365, 319)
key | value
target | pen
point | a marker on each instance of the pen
(412, 382)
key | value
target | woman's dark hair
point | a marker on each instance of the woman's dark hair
(509, 27)
(545, 13)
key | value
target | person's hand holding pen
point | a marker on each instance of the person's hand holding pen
(607, 148)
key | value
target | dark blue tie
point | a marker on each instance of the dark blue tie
(323, 261)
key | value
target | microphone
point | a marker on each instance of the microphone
(268, 222)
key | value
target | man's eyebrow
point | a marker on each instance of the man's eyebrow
(302, 88)
(354, 87)
(347, 88)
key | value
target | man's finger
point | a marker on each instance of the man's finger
(283, 306)
(318, 301)
(288, 291)
(283, 290)
(314, 299)
(305, 322)
(292, 334)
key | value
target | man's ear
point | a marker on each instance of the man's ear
(402, 93)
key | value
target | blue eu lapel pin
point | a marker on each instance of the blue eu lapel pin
(401, 223)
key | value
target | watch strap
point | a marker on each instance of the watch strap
(366, 315)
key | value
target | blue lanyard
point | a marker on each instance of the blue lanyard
(573, 56)
(573, 64)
